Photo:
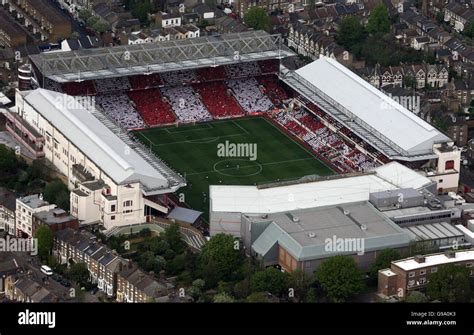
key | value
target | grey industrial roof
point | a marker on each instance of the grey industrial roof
(33, 201)
(164, 56)
(54, 216)
(184, 214)
(306, 238)
(102, 145)
(434, 231)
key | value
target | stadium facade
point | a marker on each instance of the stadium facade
(111, 177)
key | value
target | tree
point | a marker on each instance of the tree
(269, 280)
(79, 273)
(383, 261)
(140, 9)
(101, 26)
(257, 297)
(469, 29)
(312, 295)
(176, 265)
(450, 284)
(44, 235)
(223, 298)
(92, 20)
(416, 297)
(7, 160)
(85, 14)
(258, 19)
(173, 237)
(56, 192)
(300, 282)
(350, 32)
(340, 278)
(222, 256)
(379, 20)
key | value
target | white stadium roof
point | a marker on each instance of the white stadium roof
(117, 159)
(341, 190)
(366, 110)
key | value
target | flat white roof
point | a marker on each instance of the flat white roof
(372, 106)
(435, 260)
(252, 200)
(102, 146)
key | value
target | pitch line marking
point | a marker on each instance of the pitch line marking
(248, 166)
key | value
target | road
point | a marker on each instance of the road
(76, 25)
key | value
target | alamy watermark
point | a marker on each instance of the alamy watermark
(237, 150)
(15, 244)
(339, 244)
(410, 102)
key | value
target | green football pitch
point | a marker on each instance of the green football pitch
(193, 150)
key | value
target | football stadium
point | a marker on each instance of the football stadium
(176, 101)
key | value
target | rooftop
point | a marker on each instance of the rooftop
(371, 114)
(410, 264)
(54, 216)
(118, 61)
(103, 146)
(304, 233)
(33, 201)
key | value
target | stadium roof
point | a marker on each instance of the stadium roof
(118, 157)
(306, 238)
(162, 56)
(368, 112)
(333, 191)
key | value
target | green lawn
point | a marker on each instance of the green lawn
(193, 151)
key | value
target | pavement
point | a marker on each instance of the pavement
(9, 141)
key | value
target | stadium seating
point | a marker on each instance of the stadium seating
(180, 77)
(272, 89)
(120, 110)
(212, 73)
(112, 85)
(242, 70)
(269, 66)
(217, 99)
(145, 81)
(186, 104)
(249, 95)
(151, 106)
(82, 88)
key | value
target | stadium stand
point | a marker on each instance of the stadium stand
(145, 81)
(218, 100)
(273, 90)
(186, 104)
(269, 66)
(180, 77)
(249, 95)
(119, 108)
(111, 85)
(212, 73)
(152, 107)
(82, 88)
(242, 70)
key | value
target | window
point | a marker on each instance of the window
(422, 280)
(411, 283)
(112, 217)
(469, 265)
(422, 272)
(127, 203)
(433, 270)
(449, 165)
(440, 181)
(112, 208)
(411, 274)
